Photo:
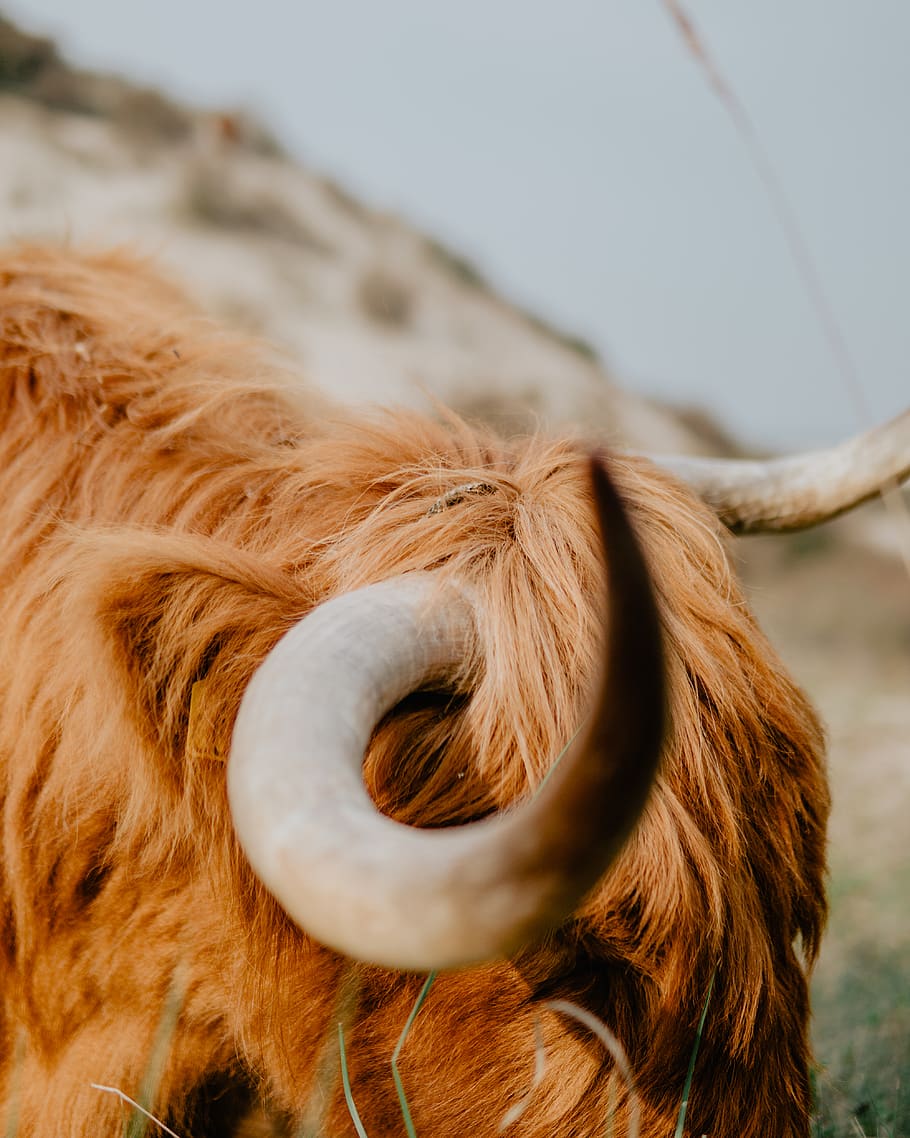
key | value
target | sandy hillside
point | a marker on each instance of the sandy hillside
(377, 311)
(373, 309)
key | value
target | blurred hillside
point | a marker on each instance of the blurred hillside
(375, 310)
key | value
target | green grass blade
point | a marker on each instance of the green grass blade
(330, 1059)
(137, 1124)
(399, 1086)
(687, 1086)
(346, 1084)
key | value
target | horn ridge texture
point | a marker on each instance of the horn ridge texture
(794, 492)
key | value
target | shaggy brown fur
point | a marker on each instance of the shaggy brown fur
(169, 505)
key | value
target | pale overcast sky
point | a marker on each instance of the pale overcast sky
(575, 152)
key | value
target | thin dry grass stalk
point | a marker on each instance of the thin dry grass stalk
(615, 1049)
(331, 1060)
(796, 242)
(125, 1098)
(513, 1114)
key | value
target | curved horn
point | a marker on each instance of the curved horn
(420, 899)
(798, 491)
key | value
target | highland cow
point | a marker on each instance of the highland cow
(172, 508)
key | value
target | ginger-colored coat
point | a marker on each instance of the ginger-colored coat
(169, 506)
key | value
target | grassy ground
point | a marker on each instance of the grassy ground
(841, 618)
